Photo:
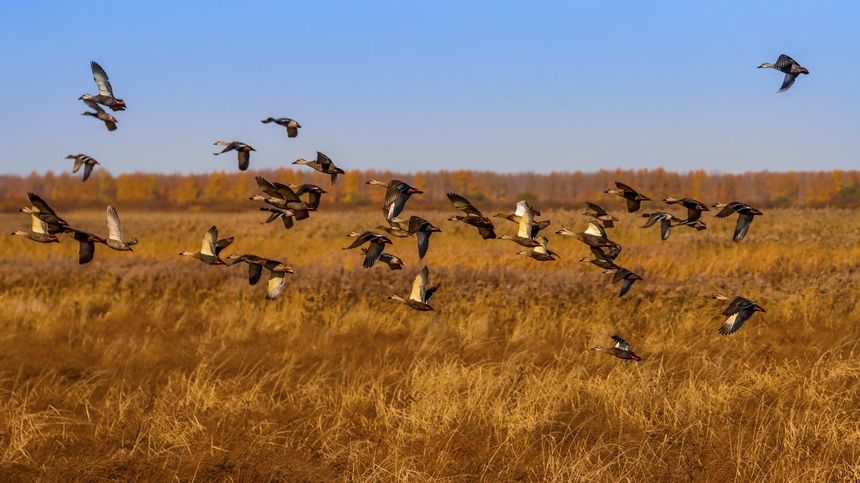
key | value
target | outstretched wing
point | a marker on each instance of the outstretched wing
(209, 239)
(463, 204)
(420, 284)
(621, 343)
(101, 78)
(787, 82)
(114, 231)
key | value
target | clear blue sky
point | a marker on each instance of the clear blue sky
(409, 86)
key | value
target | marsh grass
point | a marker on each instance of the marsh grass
(148, 366)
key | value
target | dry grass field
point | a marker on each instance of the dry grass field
(148, 366)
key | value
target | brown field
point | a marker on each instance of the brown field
(154, 367)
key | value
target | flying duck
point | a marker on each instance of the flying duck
(424, 229)
(291, 125)
(739, 311)
(633, 197)
(665, 220)
(540, 253)
(787, 66)
(396, 227)
(603, 260)
(105, 96)
(242, 149)
(522, 207)
(396, 196)
(283, 197)
(623, 274)
(473, 216)
(114, 239)
(100, 114)
(313, 191)
(323, 164)
(43, 212)
(86, 243)
(211, 248)
(393, 262)
(746, 213)
(256, 264)
(374, 250)
(83, 160)
(526, 230)
(622, 349)
(595, 211)
(694, 208)
(420, 292)
(38, 232)
(593, 236)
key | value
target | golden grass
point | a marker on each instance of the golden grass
(148, 366)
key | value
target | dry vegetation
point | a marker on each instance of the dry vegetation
(154, 367)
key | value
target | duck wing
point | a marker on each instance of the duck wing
(114, 230)
(40, 204)
(621, 344)
(423, 243)
(742, 227)
(244, 159)
(208, 246)
(594, 228)
(372, 254)
(419, 285)
(463, 205)
(787, 82)
(784, 63)
(596, 209)
(88, 169)
(255, 272)
(101, 78)
(275, 287)
(526, 223)
(735, 321)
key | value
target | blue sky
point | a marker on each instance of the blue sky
(412, 86)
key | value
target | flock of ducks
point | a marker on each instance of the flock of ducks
(284, 202)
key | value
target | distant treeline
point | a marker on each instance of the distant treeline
(224, 191)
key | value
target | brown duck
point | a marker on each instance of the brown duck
(105, 96)
(621, 350)
(597, 212)
(396, 195)
(694, 208)
(100, 114)
(323, 164)
(244, 151)
(86, 244)
(313, 191)
(526, 230)
(739, 311)
(114, 239)
(256, 264)
(374, 250)
(211, 248)
(593, 236)
(473, 216)
(291, 125)
(38, 231)
(424, 229)
(746, 213)
(83, 160)
(396, 227)
(42, 211)
(633, 197)
(540, 253)
(283, 197)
